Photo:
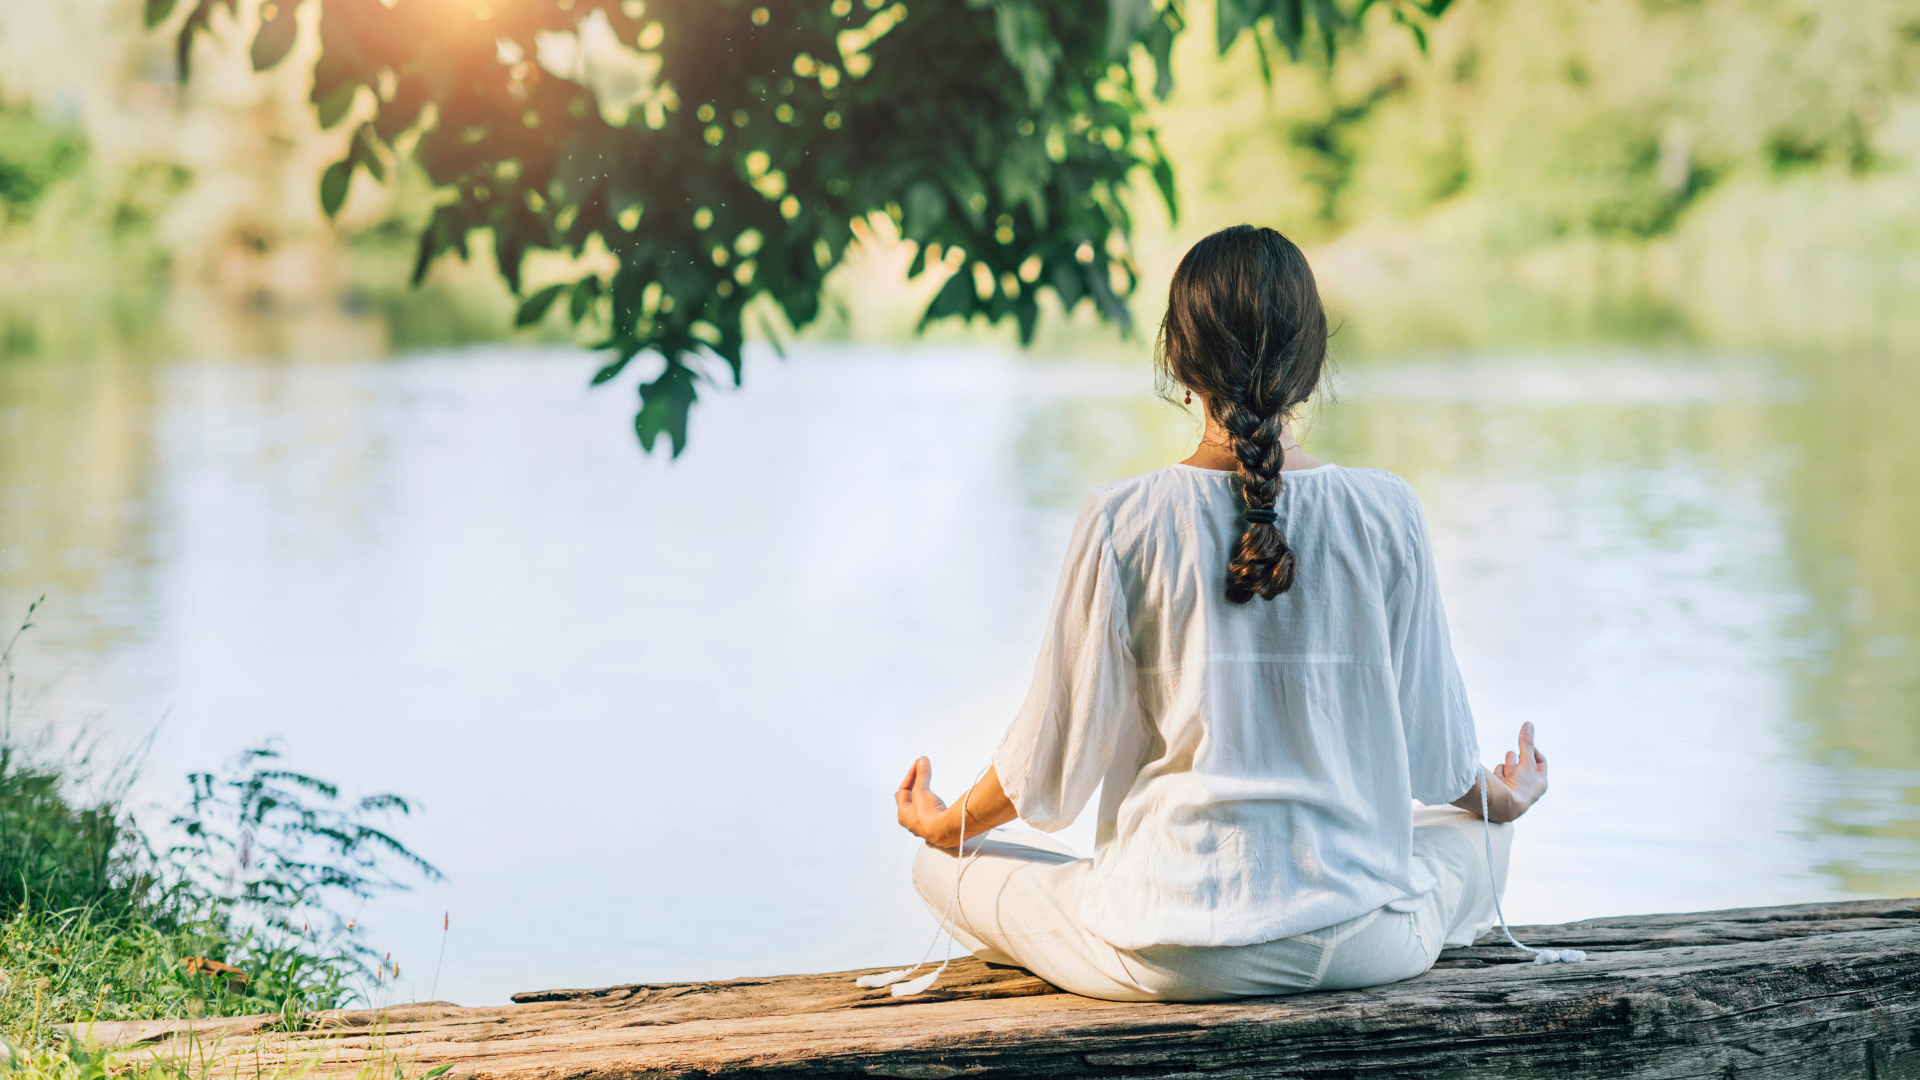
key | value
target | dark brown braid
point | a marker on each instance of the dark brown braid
(1245, 330)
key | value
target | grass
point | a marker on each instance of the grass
(238, 915)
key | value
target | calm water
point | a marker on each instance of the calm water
(655, 710)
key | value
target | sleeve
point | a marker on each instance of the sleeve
(1060, 744)
(1443, 755)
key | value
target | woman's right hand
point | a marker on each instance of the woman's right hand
(921, 812)
(1515, 784)
(926, 816)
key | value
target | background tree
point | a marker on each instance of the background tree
(721, 149)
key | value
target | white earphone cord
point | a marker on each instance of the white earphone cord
(1540, 956)
(947, 920)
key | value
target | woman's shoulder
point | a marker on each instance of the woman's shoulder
(1133, 506)
(1389, 503)
(1388, 487)
(1146, 490)
(1387, 494)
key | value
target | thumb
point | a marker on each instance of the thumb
(922, 775)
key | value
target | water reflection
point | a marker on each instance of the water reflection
(655, 709)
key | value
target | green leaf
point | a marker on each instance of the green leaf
(536, 306)
(1069, 282)
(445, 230)
(157, 12)
(664, 404)
(1109, 304)
(333, 186)
(1163, 179)
(1290, 25)
(1127, 20)
(1163, 176)
(1266, 62)
(364, 151)
(509, 251)
(276, 34)
(954, 298)
(1330, 22)
(1027, 314)
(197, 21)
(437, 1072)
(334, 106)
(1159, 43)
(399, 114)
(585, 292)
(1028, 45)
(1231, 17)
(612, 370)
(628, 292)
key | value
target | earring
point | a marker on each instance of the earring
(1189, 397)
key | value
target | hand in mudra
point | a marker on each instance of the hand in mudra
(1513, 786)
(920, 809)
(928, 817)
(1524, 773)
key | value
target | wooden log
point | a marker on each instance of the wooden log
(1795, 993)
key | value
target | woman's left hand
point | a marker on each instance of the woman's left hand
(921, 811)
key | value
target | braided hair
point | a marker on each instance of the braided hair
(1246, 331)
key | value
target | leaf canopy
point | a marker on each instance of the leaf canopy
(722, 149)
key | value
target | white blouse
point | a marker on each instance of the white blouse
(1257, 762)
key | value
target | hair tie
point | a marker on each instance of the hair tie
(1262, 517)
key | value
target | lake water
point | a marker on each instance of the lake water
(654, 710)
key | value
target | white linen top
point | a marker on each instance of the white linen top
(1259, 760)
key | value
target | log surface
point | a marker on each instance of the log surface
(1803, 992)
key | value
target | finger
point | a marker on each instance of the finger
(1526, 740)
(923, 775)
(906, 782)
(1513, 762)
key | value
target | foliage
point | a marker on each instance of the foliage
(1575, 124)
(267, 859)
(55, 855)
(97, 927)
(720, 151)
(255, 838)
(34, 155)
(76, 966)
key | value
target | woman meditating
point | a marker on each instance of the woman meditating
(1247, 657)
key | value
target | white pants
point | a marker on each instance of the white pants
(1020, 899)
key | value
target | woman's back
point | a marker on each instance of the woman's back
(1248, 658)
(1258, 759)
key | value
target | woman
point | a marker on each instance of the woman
(1247, 656)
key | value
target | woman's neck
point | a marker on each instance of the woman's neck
(1215, 451)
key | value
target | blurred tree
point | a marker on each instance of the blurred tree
(34, 155)
(721, 149)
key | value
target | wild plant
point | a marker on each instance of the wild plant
(244, 913)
